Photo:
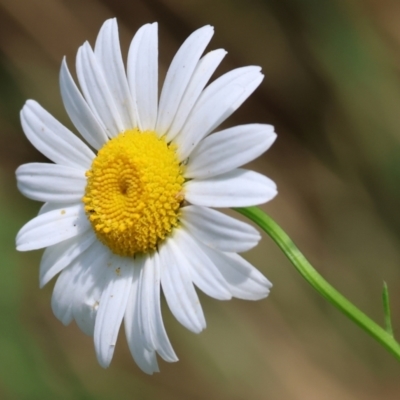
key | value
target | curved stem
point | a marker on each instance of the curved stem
(317, 281)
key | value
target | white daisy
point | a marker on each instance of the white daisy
(131, 215)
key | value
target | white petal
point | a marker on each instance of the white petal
(145, 359)
(237, 188)
(229, 149)
(97, 93)
(52, 227)
(108, 52)
(178, 288)
(61, 300)
(53, 139)
(89, 286)
(143, 317)
(51, 182)
(179, 75)
(112, 307)
(217, 102)
(202, 270)
(46, 207)
(143, 75)
(59, 256)
(204, 69)
(154, 334)
(245, 281)
(81, 115)
(218, 230)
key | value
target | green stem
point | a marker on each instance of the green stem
(317, 281)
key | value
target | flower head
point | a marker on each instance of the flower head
(129, 212)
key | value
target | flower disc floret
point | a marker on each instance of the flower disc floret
(134, 192)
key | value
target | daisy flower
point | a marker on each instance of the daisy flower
(127, 211)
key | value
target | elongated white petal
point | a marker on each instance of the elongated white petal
(81, 115)
(53, 139)
(97, 93)
(203, 272)
(178, 288)
(143, 318)
(51, 182)
(148, 319)
(154, 334)
(218, 230)
(59, 256)
(229, 149)
(108, 53)
(179, 75)
(63, 293)
(217, 102)
(112, 307)
(145, 359)
(237, 188)
(245, 281)
(52, 227)
(89, 286)
(204, 69)
(142, 73)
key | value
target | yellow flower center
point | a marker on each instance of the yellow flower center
(134, 192)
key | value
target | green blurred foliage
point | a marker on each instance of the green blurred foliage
(332, 90)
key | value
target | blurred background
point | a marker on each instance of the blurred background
(332, 90)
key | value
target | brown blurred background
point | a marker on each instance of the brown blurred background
(332, 90)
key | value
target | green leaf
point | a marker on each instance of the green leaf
(386, 309)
